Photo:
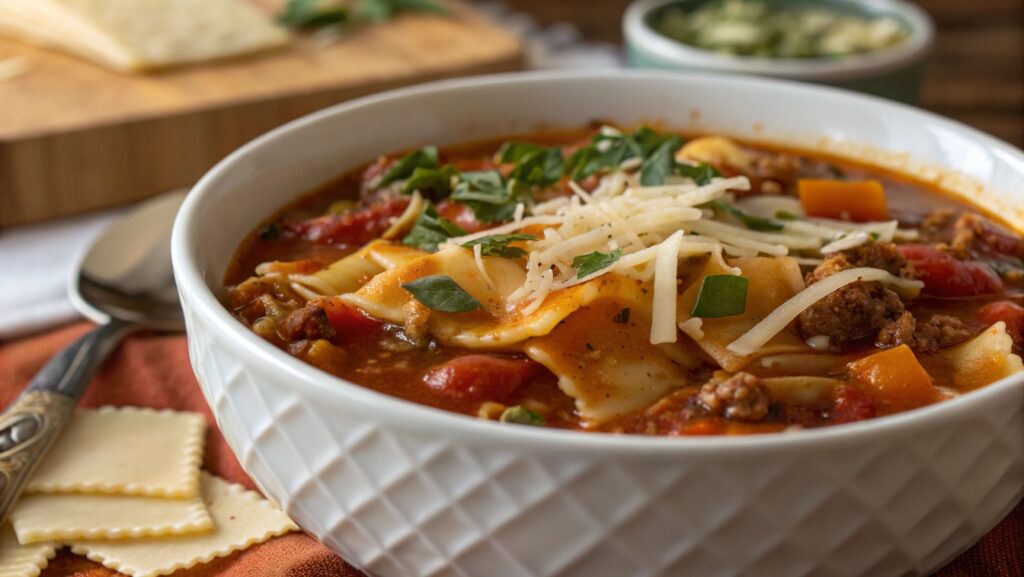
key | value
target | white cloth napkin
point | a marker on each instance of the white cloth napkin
(37, 259)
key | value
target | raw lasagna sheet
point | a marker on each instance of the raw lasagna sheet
(125, 451)
(241, 519)
(17, 560)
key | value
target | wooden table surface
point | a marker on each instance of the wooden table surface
(975, 72)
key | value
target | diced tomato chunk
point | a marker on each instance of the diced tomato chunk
(354, 228)
(1010, 313)
(349, 323)
(481, 377)
(946, 276)
(851, 405)
(461, 215)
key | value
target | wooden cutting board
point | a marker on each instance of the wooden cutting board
(76, 137)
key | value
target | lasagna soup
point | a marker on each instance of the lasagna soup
(636, 281)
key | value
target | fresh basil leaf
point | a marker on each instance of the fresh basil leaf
(721, 295)
(311, 14)
(431, 230)
(488, 196)
(270, 232)
(514, 152)
(649, 139)
(700, 173)
(660, 163)
(588, 264)
(785, 215)
(522, 416)
(750, 221)
(539, 168)
(433, 183)
(497, 245)
(441, 293)
(425, 157)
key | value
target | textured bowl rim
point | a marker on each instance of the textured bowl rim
(406, 414)
(644, 39)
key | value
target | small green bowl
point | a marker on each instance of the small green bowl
(894, 72)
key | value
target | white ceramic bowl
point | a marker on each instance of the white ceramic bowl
(403, 490)
(894, 72)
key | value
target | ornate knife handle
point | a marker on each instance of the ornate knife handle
(34, 421)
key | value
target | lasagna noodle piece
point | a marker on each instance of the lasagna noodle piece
(125, 451)
(241, 519)
(350, 273)
(502, 326)
(772, 281)
(17, 560)
(142, 34)
(40, 518)
(605, 361)
(978, 362)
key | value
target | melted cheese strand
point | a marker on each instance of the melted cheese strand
(780, 318)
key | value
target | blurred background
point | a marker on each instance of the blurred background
(975, 72)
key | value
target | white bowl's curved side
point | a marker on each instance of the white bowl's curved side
(403, 490)
(661, 48)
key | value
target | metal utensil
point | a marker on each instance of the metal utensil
(124, 283)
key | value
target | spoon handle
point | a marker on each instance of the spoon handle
(34, 421)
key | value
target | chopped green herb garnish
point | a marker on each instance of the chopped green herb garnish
(381, 10)
(786, 215)
(607, 151)
(425, 157)
(700, 173)
(312, 14)
(488, 196)
(661, 162)
(721, 295)
(750, 221)
(588, 264)
(433, 183)
(322, 13)
(431, 230)
(621, 317)
(522, 416)
(441, 293)
(497, 245)
(542, 168)
(270, 232)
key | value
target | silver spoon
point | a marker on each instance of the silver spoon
(123, 282)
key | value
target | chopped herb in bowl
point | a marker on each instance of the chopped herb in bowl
(766, 29)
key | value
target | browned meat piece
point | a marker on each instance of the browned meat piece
(975, 234)
(308, 322)
(859, 310)
(938, 332)
(898, 332)
(741, 397)
(870, 254)
(856, 311)
(927, 337)
(937, 226)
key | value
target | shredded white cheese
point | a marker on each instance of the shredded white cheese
(666, 266)
(846, 242)
(780, 318)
